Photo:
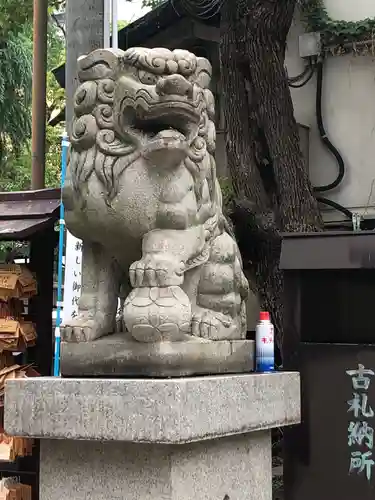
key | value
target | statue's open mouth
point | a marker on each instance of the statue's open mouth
(181, 117)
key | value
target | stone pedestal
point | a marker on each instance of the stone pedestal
(114, 355)
(189, 438)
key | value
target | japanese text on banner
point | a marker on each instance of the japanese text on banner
(73, 276)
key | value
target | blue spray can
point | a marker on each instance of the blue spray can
(265, 344)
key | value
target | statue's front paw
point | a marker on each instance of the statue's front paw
(157, 270)
(81, 330)
(210, 325)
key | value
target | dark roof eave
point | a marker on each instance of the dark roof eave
(329, 250)
(21, 230)
(138, 32)
(24, 213)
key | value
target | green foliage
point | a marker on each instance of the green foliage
(122, 24)
(15, 171)
(56, 6)
(335, 32)
(13, 249)
(56, 57)
(152, 3)
(14, 15)
(15, 92)
(227, 191)
(15, 82)
(55, 103)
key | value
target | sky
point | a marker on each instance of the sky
(130, 11)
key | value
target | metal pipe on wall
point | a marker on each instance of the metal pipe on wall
(38, 135)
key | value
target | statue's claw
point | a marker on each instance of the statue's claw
(157, 270)
(82, 330)
(209, 324)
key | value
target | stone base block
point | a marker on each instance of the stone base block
(170, 411)
(116, 356)
(236, 467)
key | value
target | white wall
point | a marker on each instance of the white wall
(349, 116)
(350, 10)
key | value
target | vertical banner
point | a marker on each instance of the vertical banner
(73, 276)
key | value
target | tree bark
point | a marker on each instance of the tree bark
(273, 193)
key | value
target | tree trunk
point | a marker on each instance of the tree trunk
(273, 193)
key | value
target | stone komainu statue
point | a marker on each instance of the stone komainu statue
(141, 192)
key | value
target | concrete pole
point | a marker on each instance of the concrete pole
(84, 33)
(114, 24)
(38, 139)
(107, 24)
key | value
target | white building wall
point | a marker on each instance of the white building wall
(350, 10)
(348, 112)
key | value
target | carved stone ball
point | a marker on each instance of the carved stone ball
(158, 314)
